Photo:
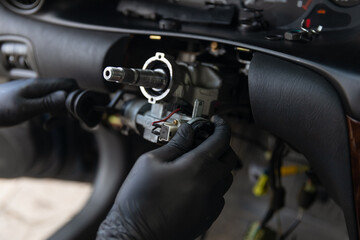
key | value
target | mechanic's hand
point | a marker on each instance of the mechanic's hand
(21, 100)
(173, 192)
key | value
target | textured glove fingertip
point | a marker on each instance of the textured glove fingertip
(71, 85)
(221, 125)
(217, 120)
(55, 102)
(184, 136)
(185, 131)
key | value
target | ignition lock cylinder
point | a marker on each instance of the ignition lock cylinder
(176, 91)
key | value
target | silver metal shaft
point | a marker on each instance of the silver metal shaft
(138, 77)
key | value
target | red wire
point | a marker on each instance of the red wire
(163, 120)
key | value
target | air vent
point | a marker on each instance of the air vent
(24, 6)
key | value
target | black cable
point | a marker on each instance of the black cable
(295, 223)
(307, 197)
(279, 163)
(109, 108)
(156, 126)
(278, 192)
(269, 214)
(118, 96)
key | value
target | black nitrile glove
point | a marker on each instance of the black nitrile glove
(174, 192)
(21, 100)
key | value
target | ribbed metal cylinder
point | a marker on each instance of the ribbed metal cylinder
(138, 77)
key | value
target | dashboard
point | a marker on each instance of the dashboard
(255, 25)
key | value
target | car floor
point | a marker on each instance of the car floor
(33, 209)
(323, 221)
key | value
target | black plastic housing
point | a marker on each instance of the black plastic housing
(301, 107)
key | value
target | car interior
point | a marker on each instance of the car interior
(285, 75)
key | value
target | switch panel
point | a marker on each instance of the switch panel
(16, 59)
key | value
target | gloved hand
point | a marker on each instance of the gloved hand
(21, 100)
(173, 192)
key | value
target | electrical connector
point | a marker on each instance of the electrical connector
(307, 195)
(261, 185)
(168, 130)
